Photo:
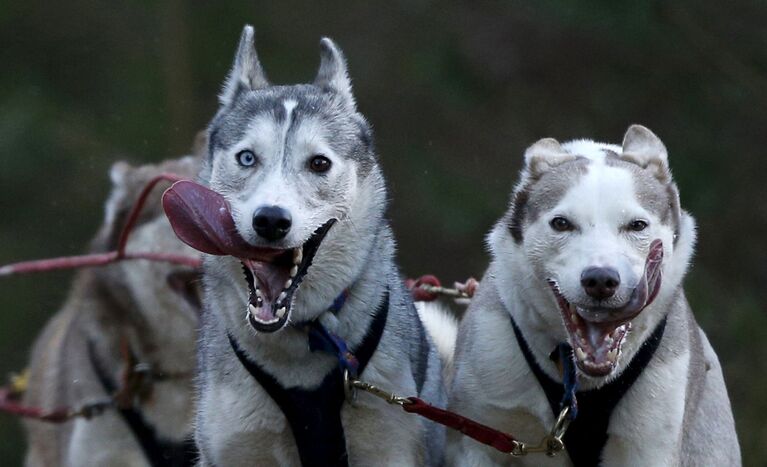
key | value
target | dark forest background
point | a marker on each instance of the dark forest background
(455, 90)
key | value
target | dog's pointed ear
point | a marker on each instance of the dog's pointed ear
(117, 205)
(333, 74)
(642, 147)
(545, 154)
(247, 73)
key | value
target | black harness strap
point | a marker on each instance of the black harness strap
(158, 451)
(314, 415)
(419, 357)
(587, 434)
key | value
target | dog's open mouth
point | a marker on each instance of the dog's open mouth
(201, 218)
(597, 334)
(274, 276)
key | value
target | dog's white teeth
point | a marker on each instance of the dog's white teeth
(252, 309)
(280, 312)
(282, 296)
(621, 330)
(298, 256)
(288, 283)
(293, 271)
(580, 354)
(612, 355)
(574, 317)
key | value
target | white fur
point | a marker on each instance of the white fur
(492, 381)
(442, 326)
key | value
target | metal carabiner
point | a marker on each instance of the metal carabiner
(552, 443)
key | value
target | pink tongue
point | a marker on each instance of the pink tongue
(200, 217)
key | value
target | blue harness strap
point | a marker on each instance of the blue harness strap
(314, 415)
(590, 410)
(569, 380)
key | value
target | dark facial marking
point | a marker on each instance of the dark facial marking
(518, 207)
(661, 199)
(543, 193)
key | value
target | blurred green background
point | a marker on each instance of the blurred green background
(455, 90)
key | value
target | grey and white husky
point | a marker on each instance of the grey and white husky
(592, 252)
(298, 170)
(146, 308)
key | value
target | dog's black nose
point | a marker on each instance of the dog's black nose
(600, 283)
(272, 222)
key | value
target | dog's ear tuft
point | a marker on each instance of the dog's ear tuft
(545, 154)
(642, 147)
(118, 172)
(117, 205)
(333, 74)
(247, 73)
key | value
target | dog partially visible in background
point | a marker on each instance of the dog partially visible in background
(149, 310)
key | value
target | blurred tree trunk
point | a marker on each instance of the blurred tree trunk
(179, 89)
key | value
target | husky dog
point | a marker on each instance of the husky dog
(297, 167)
(592, 252)
(146, 308)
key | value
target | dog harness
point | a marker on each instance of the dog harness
(587, 434)
(314, 415)
(158, 451)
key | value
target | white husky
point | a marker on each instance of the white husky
(592, 252)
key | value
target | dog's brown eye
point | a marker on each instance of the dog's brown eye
(319, 163)
(561, 224)
(637, 225)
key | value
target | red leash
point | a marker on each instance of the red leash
(551, 444)
(9, 403)
(102, 259)
(501, 441)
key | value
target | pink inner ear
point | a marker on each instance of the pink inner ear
(201, 218)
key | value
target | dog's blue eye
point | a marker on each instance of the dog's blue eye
(246, 158)
(561, 224)
(637, 225)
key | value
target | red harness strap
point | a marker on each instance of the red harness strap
(9, 403)
(501, 441)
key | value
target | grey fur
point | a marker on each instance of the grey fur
(126, 300)
(237, 422)
(550, 187)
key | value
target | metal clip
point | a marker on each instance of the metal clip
(349, 390)
(552, 443)
(351, 385)
(439, 290)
